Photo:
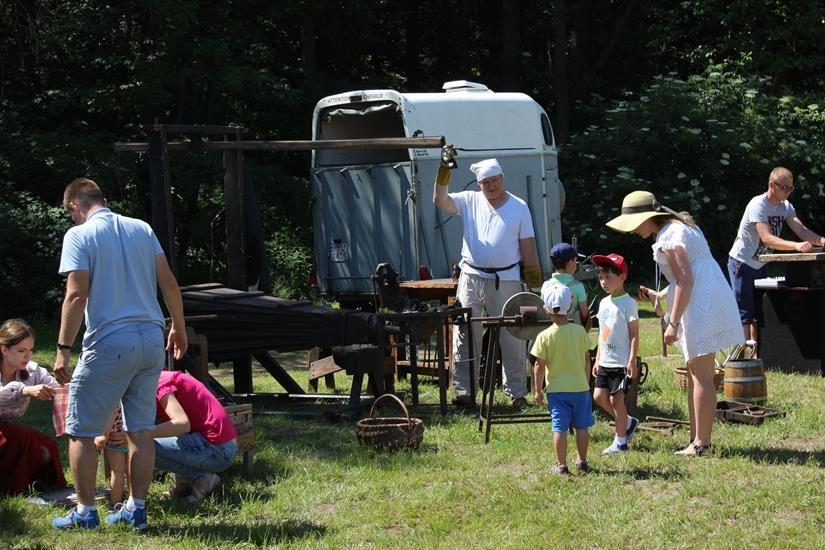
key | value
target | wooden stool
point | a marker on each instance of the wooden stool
(241, 416)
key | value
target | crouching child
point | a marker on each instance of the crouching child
(563, 363)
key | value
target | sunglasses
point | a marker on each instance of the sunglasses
(784, 188)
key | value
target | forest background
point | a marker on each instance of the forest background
(694, 100)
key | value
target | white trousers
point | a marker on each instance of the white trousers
(480, 294)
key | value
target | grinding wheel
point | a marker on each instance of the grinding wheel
(519, 304)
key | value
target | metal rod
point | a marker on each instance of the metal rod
(431, 142)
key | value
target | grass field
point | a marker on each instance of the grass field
(315, 486)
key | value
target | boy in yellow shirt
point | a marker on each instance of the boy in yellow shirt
(561, 352)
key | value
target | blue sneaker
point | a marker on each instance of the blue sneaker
(136, 518)
(73, 520)
(632, 424)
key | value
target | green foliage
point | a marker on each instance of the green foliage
(77, 76)
(290, 261)
(31, 234)
(705, 144)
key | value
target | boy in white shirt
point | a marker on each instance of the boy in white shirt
(615, 364)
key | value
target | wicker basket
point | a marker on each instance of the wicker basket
(680, 376)
(390, 432)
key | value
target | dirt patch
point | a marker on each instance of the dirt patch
(326, 509)
(654, 488)
(807, 444)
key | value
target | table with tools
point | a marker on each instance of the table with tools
(792, 315)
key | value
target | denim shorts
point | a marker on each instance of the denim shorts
(122, 368)
(570, 409)
(742, 277)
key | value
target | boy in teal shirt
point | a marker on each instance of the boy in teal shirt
(565, 260)
(561, 352)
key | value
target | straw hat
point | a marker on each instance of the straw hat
(637, 207)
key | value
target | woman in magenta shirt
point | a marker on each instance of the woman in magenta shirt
(194, 437)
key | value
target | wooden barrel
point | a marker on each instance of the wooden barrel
(745, 381)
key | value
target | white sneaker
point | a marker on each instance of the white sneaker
(616, 448)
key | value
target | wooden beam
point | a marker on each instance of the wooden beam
(436, 142)
(278, 372)
(163, 222)
(233, 193)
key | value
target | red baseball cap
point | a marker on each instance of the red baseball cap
(610, 260)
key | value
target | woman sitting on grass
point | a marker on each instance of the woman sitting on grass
(26, 455)
(195, 438)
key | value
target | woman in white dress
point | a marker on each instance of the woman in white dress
(702, 310)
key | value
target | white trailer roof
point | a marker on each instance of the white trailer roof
(470, 116)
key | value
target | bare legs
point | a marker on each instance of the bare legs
(141, 463)
(614, 406)
(701, 398)
(560, 445)
(83, 462)
(752, 333)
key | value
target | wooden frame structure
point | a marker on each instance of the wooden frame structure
(232, 146)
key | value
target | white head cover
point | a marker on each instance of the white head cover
(559, 299)
(485, 169)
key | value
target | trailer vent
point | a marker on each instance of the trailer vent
(464, 86)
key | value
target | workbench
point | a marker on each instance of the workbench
(792, 313)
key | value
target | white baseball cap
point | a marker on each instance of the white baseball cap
(559, 299)
(486, 169)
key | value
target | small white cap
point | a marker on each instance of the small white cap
(485, 169)
(559, 299)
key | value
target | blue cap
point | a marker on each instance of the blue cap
(563, 252)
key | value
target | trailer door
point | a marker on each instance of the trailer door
(362, 217)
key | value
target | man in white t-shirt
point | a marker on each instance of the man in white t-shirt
(498, 233)
(758, 232)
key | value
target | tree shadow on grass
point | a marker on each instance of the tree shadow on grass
(263, 534)
(772, 455)
(13, 519)
(641, 473)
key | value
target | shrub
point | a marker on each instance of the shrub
(705, 144)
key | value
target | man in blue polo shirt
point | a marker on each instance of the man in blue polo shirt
(114, 266)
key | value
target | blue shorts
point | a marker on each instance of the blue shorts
(570, 408)
(742, 277)
(122, 368)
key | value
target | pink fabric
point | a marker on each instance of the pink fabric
(60, 404)
(206, 414)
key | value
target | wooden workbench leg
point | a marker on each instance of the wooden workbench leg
(491, 384)
(442, 366)
(355, 391)
(471, 351)
(414, 368)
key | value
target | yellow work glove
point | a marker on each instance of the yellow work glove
(448, 154)
(532, 276)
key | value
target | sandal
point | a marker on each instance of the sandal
(181, 488)
(202, 486)
(694, 450)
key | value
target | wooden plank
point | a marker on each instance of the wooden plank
(429, 142)
(322, 367)
(161, 197)
(818, 256)
(235, 220)
(278, 373)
